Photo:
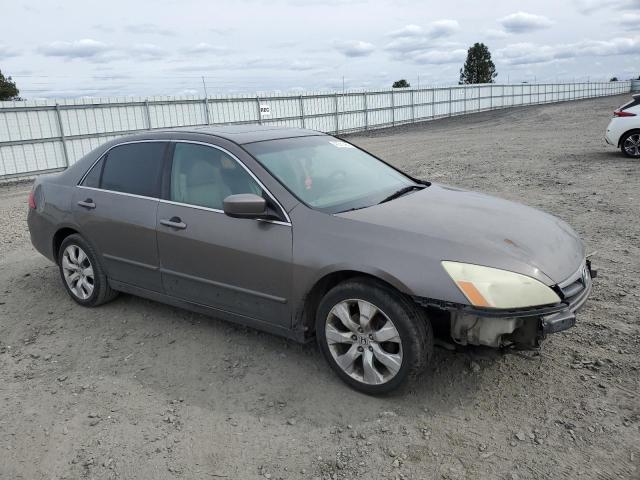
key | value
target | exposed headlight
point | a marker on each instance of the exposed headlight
(495, 288)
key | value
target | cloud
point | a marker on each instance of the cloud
(408, 31)
(630, 21)
(355, 48)
(495, 33)
(437, 29)
(440, 57)
(529, 53)
(522, 22)
(148, 29)
(587, 7)
(146, 51)
(203, 48)
(85, 48)
(275, 64)
(258, 63)
(6, 52)
(412, 40)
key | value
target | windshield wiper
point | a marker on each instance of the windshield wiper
(401, 192)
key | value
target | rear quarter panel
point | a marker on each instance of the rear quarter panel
(52, 212)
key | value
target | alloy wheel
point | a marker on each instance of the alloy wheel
(363, 341)
(632, 145)
(78, 272)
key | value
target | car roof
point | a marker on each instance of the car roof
(242, 134)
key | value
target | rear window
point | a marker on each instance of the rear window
(633, 103)
(134, 168)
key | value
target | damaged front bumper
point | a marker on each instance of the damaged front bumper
(521, 327)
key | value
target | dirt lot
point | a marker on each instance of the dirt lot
(136, 389)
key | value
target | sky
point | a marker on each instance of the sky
(83, 48)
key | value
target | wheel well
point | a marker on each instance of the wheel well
(633, 130)
(320, 289)
(59, 237)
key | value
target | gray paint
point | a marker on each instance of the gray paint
(259, 272)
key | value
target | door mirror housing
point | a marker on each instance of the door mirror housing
(245, 205)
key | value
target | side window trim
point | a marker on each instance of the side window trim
(101, 160)
(104, 156)
(166, 176)
(166, 188)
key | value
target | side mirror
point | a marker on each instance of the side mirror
(245, 205)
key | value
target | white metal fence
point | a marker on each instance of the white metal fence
(41, 136)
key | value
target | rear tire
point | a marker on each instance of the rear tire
(372, 336)
(82, 274)
(630, 144)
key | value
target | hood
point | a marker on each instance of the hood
(482, 229)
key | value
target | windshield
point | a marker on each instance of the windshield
(328, 174)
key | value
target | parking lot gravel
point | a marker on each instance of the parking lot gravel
(136, 389)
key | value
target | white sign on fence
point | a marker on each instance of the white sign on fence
(265, 110)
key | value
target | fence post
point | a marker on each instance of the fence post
(393, 110)
(413, 111)
(335, 102)
(491, 97)
(259, 112)
(302, 111)
(206, 110)
(450, 113)
(62, 139)
(366, 113)
(479, 95)
(147, 113)
(465, 99)
(433, 103)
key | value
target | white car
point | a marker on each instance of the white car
(624, 128)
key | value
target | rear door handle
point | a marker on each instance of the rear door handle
(174, 222)
(87, 203)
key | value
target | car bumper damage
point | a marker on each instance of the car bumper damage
(523, 328)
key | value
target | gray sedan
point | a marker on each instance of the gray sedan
(307, 236)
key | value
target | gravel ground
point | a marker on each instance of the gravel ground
(136, 389)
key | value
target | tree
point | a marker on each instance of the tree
(478, 68)
(401, 84)
(8, 89)
(613, 79)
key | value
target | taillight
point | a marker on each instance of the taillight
(32, 200)
(623, 113)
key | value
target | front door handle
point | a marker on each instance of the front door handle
(87, 203)
(174, 222)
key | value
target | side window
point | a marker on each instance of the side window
(205, 176)
(93, 177)
(134, 168)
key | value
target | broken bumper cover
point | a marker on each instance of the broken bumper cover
(500, 327)
(566, 318)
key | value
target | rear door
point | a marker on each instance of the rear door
(116, 206)
(240, 266)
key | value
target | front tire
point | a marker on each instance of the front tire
(630, 144)
(81, 273)
(372, 336)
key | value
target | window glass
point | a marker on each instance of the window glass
(93, 177)
(205, 176)
(134, 168)
(327, 173)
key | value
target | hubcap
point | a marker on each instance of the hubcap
(632, 145)
(363, 341)
(78, 272)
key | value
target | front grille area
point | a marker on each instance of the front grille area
(575, 284)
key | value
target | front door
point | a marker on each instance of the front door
(241, 266)
(116, 207)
